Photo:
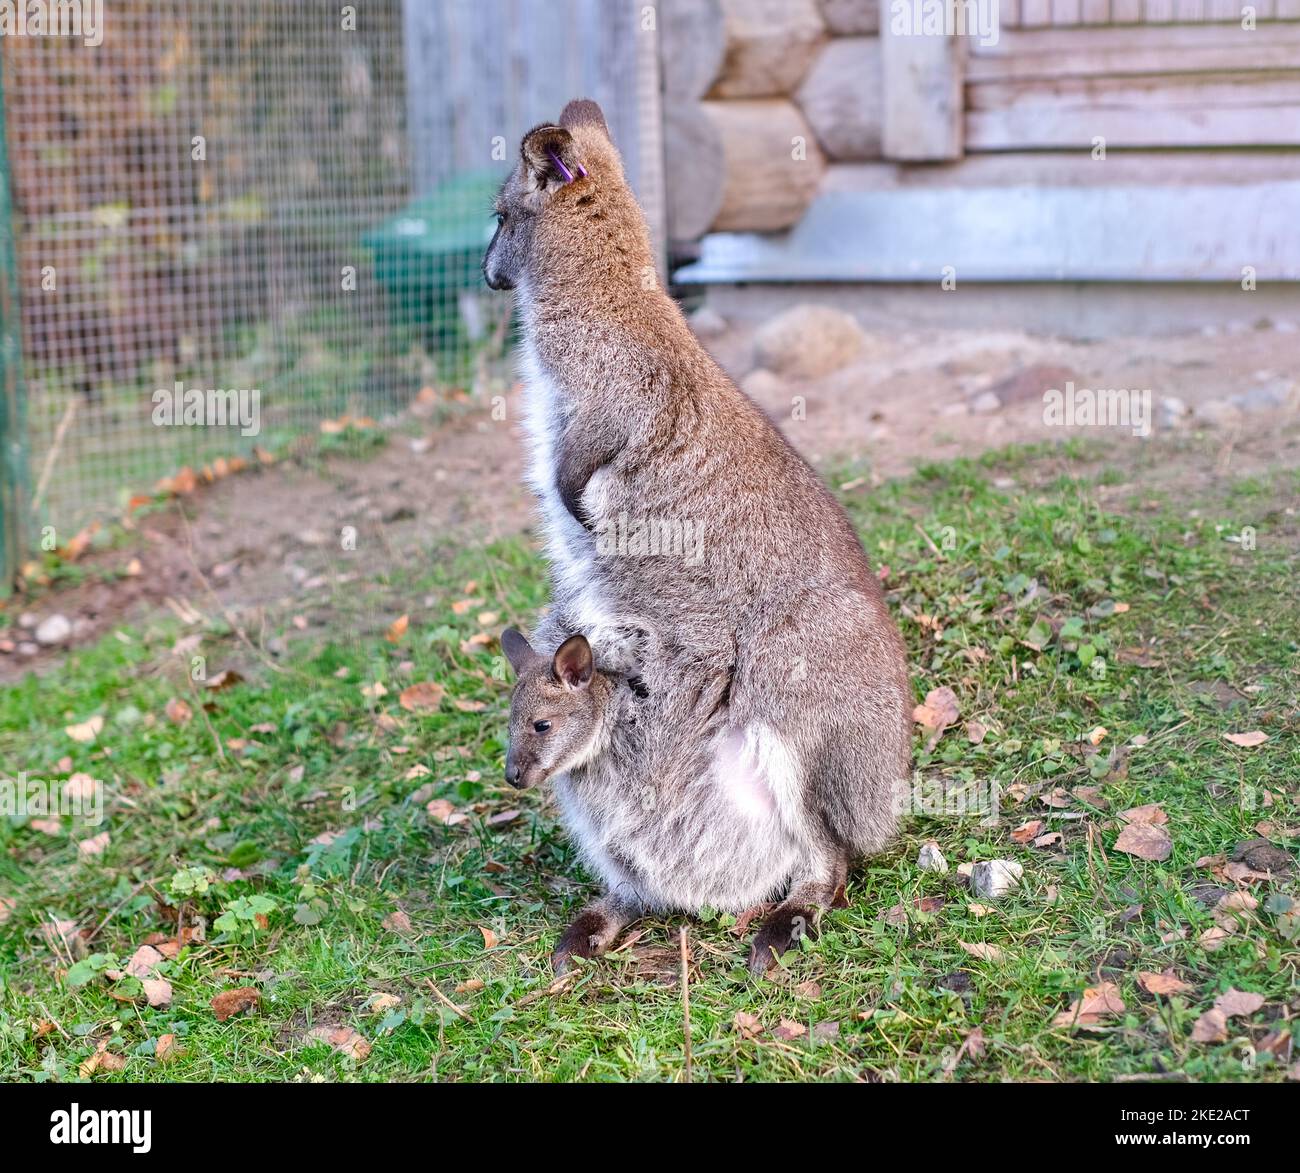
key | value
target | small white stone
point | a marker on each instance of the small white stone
(992, 878)
(54, 629)
(930, 859)
(984, 403)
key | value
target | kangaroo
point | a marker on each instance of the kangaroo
(770, 651)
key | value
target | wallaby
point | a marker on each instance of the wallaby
(769, 655)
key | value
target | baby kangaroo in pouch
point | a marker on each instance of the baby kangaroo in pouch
(557, 709)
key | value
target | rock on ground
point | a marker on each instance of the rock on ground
(808, 341)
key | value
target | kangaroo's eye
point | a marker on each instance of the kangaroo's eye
(541, 726)
(501, 219)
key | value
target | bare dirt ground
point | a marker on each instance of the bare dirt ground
(1225, 406)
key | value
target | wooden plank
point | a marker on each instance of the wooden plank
(1190, 232)
(1065, 12)
(1095, 12)
(1157, 11)
(1109, 63)
(1070, 169)
(1197, 91)
(1026, 42)
(1009, 14)
(922, 86)
(1190, 11)
(1030, 128)
(1032, 54)
(1125, 11)
(1035, 13)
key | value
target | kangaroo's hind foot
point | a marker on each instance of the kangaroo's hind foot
(820, 887)
(594, 929)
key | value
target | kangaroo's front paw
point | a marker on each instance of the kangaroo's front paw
(782, 930)
(585, 937)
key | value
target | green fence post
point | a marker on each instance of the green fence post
(13, 429)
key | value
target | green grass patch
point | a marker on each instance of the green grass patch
(288, 816)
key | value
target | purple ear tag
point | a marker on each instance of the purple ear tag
(568, 175)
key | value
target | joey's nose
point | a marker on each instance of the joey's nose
(513, 773)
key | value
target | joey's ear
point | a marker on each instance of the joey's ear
(584, 112)
(551, 156)
(517, 649)
(573, 664)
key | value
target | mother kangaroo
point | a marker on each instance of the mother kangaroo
(769, 626)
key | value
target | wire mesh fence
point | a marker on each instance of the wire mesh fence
(225, 234)
(191, 198)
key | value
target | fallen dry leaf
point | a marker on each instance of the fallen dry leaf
(95, 845)
(748, 1025)
(445, 812)
(1146, 841)
(1162, 983)
(143, 961)
(397, 628)
(1238, 1002)
(158, 990)
(425, 697)
(177, 711)
(398, 922)
(939, 710)
(1097, 1004)
(1029, 831)
(981, 950)
(470, 706)
(1211, 1027)
(86, 730)
(343, 1039)
(1214, 938)
(166, 1050)
(489, 937)
(231, 1002)
(1152, 814)
(1247, 740)
(897, 915)
(976, 731)
(101, 1060)
(788, 1031)
(383, 1003)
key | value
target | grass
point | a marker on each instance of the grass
(289, 814)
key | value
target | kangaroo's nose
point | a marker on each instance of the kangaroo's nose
(513, 773)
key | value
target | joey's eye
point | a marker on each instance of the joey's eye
(541, 726)
(501, 219)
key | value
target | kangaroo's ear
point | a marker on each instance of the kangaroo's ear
(551, 156)
(573, 664)
(517, 649)
(584, 112)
